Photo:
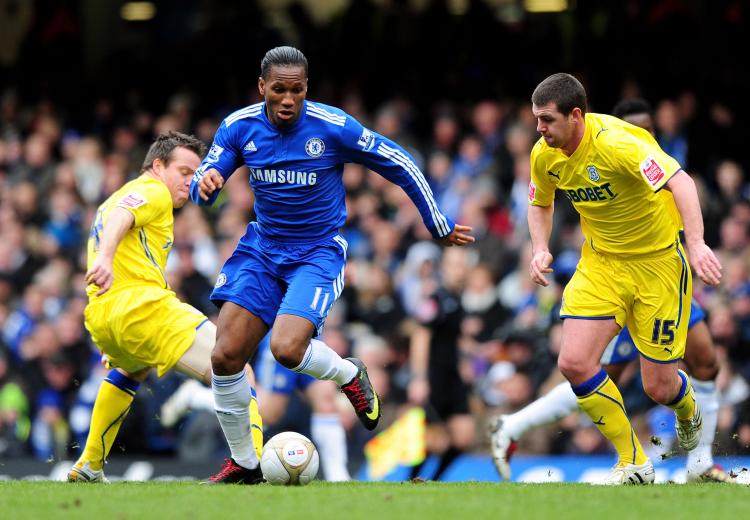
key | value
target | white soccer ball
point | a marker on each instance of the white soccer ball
(289, 459)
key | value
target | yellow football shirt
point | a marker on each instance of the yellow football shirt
(614, 180)
(142, 254)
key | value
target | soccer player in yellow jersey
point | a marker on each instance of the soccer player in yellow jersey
(632, 271)
(133, 316)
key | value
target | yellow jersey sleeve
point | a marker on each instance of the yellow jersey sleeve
(642, 155)
(147, 201)
(541, 190)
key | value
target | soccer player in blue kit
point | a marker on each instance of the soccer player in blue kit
(288, 269)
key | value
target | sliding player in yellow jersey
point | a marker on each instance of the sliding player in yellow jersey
(633, 270)
(133, 316)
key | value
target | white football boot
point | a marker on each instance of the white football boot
(82, 472)
(503, 447)
(630, 474)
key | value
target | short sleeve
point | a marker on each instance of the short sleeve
(146, 202)
(642, 155)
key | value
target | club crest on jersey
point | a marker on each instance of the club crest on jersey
(314, 147)
(220, 280)
(593, 173)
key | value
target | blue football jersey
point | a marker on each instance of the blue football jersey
(295, 173)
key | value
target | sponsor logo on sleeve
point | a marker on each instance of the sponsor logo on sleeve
(132, 200)
(651, 171)
(532, 191)
(366, 140)
(214, 153)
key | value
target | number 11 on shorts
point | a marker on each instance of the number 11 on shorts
(316, 300)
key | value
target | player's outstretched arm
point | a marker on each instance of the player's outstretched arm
(101, 273)
(458, 237)
(702, 259)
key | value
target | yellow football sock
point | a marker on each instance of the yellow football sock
(684, 404)
(110, 408)
(601, 400)
(256, 425)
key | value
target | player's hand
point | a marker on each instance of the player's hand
(209, 183)
(418, 390)
(458, 237)
(539, 266)
(704, 261)
(101, 274)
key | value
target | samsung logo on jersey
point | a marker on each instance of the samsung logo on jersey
(284, 176)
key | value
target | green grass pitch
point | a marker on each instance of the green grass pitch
(471, 500)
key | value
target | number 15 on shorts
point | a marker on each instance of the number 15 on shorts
(663, 333)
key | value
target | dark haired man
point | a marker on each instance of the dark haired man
(700, 358)
(288, 269)
(633, 270)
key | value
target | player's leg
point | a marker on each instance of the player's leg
(315, 282)
(667, 385)
(700, 358)
(196, 363)
(659, 326)
(133, 342)
(326, 429)
(237, 335)
(111, 406)
(507, 430)
(583, 342)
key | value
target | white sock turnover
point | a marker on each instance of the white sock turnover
(321, 362)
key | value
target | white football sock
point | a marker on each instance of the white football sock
(321, 362)
(328, 435)
(558, 403)
(232, 397)
(707, 397)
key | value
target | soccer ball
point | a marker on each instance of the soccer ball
(289, 459)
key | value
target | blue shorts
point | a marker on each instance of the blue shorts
(269, 278)
(273, 376)
(621, 349)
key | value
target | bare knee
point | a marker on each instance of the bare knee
(574, 369)
(661, 391)
(287, 350)
(227, 359)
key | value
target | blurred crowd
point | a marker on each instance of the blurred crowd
(476, 159)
